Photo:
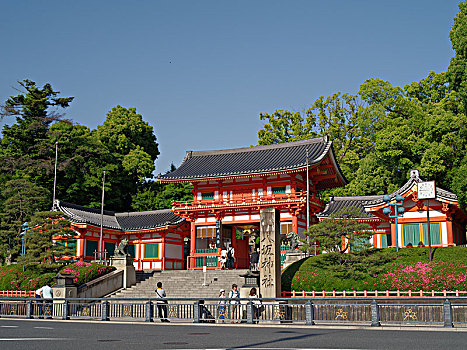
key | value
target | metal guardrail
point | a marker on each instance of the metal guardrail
(371, 311)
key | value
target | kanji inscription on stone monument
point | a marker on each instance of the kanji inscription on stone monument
(270, 268)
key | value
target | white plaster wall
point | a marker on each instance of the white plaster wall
(286, 215)
(255, 217)
(157, 265)
(421, 215)
(242, 217)
(173, 251)
(444, 234)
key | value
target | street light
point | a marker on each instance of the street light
(24, 232)
(398, 209)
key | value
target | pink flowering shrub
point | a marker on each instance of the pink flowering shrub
(13, 278)
(84, 272)
(437, 275)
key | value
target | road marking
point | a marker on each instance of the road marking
(43, 327)
(31, 339)
(8, 326)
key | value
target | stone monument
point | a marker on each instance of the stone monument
(270, 254)
(124, 261)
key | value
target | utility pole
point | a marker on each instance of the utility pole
(55, 175)
(102, 217)
(307, 197)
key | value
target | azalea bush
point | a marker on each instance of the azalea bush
(434, 275)
(83, 272)
(13, 277)
(381, 269)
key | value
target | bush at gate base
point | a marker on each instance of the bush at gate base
(408, 269)
(12, 277)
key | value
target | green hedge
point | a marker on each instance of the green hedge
(381, 269)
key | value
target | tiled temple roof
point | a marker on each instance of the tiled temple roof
(337, 203)
(131, 221)
(362, 202)
(252, 160)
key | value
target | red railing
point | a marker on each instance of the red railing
(372, 293)
(246, 199)
(17, 293)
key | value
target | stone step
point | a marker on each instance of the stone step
(184, 283)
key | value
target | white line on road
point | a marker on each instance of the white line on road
(31, 339)
(8, 326)
(43, 327)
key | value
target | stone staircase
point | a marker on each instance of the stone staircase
(185, 284)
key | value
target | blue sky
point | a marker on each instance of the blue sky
(200, 72)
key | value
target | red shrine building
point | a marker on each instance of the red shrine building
(231, 187)
(156, 238)
(447, 220)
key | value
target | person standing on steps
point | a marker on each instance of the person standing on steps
(161, 303)
(223, 258)
(231, 257)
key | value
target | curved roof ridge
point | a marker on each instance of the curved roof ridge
(147, 212)
(259, 147)
(253, 161)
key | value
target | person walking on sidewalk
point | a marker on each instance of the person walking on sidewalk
(222, 307)
(47, 294)
(161, 303)
(235, 308)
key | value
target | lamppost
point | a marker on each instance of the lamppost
(24, 232)
(398, 209)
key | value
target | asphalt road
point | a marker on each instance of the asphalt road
(50, 335)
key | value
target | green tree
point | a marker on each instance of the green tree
(41, 250)
(155, 195)
(133, 149)
(338, 234)
(457, 71)
(20, 200)
(82, 157)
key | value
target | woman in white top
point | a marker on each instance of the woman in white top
(223, 258)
